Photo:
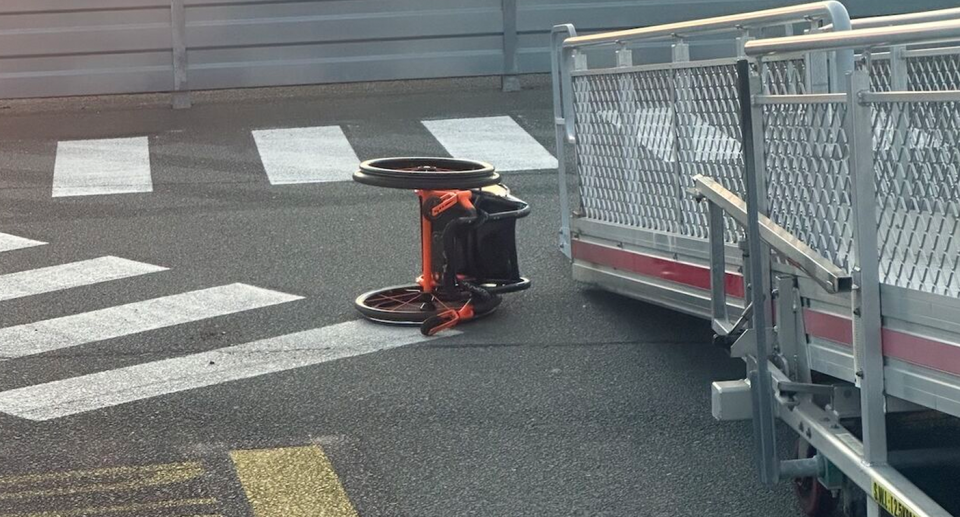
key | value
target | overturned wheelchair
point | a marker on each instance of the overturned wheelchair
(468, 242)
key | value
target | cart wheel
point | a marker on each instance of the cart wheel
(426, 173)
(815, 499)
(409, 305)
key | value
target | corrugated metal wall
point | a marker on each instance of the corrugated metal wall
(84, 47)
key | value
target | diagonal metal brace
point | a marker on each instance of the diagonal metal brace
(821, 270)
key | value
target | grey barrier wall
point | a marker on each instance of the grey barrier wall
(87, 47)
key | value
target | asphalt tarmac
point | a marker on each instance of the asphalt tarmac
(567, 401)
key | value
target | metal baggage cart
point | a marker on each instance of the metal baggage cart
(804, 195)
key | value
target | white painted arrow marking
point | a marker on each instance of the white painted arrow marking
(110, 388)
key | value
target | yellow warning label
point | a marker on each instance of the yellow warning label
(890, 502)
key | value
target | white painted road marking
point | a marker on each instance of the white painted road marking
(98, 167)
(12, 242)
(65, 276)
(110, 388)
(133, 318)
(306, 155)
(496, 140)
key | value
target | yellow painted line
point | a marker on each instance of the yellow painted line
(292, 482)
(127, 508)
(114, 479)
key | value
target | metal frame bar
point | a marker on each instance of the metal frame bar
(846, 41)
(761, 388)
(843, 450)
(824, 272)
(902, 19)
(674, 65)
(865, 301)
(829, 10)
(821, 98)
(563, 124)
(888, 97)
(930, 52)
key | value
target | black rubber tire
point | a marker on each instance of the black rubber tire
(415, 314)
(814, 499)
(426, 174)
(522, 285)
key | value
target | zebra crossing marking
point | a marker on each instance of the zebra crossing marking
(320, 154)
(66, 276)
(306, 155)
(12, 242)
(496, 140)
(101, 167)
(129, 384)
(133, 318)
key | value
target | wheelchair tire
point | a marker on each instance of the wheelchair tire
(426, 173)
(409, 305)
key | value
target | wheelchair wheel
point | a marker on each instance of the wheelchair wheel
(426, 174)
(409, 305)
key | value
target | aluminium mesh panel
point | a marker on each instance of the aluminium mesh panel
(917, 161)
(880, 70)
(933, 73)
(808, 180)
(709, 138)
(786, 77)
(627, 149)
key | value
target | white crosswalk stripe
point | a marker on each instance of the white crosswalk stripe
(110, 388)
(66, 276)
(496, 140)
(98, 167)
(306, 155)
(320, 154)
(12, 242)
(133, 318)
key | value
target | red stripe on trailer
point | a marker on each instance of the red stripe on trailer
(918, 350)
(921, 351)
(828, 326)
(648, 265)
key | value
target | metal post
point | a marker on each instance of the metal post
(718, 265)
(561, 128)
(626, 114)
(760, 181)
(680, 53)
(898, 69)
(865, 298)
(761, 386)
(510, 80)
(817, 76)
(178, 29)
(900, 115)
(790, 335)
(790, 74)
(741, 41)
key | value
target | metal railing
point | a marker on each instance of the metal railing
(854, 188)
(681, 136)
(879, 180)
(902, 19)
